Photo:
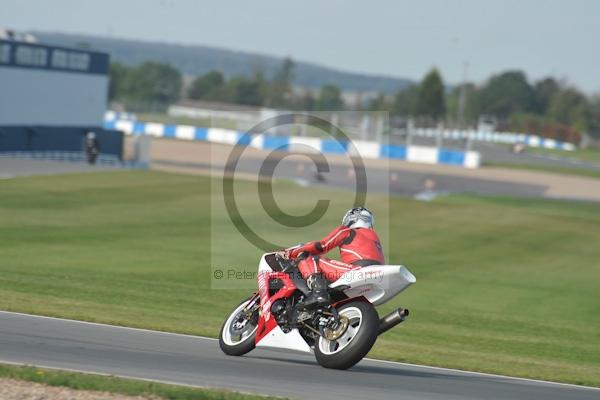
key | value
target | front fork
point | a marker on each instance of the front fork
(251, 305)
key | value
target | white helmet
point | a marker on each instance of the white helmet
(359, 217)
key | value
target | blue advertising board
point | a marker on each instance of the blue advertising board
(39, 56)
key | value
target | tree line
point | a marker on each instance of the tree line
(547, 106)
(156, 85)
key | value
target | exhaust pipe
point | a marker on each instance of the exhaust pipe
(392, 319)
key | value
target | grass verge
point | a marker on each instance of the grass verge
(592, 155)
(129, 387)
(574, 171)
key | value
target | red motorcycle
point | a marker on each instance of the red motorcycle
(340, 333)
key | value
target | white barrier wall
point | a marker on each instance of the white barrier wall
(364, 149)
(427, 155)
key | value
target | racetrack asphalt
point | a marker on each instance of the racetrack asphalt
(383, 176)
(406, 183)
(197, 361)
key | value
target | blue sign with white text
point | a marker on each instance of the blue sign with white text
(38, 56)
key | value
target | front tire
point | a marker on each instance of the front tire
(238, 334)
(355, 342)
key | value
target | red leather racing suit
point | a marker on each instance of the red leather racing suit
(359, 247)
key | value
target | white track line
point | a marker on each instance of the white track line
(461, 371)
(107, 325)
(82, 371)
(213, 339)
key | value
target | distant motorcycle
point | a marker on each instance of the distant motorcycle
(340, 334)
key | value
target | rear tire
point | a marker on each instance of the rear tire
(353, 345)
(246, 342)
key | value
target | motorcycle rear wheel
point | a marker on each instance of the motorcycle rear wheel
(238, 334)
(355, 343)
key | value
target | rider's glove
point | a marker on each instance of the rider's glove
(289, 254)
(294, 252)
(285, 254)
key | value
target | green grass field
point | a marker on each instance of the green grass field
(548, 168)
(503, 286)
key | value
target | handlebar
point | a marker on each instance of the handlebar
(287, 264)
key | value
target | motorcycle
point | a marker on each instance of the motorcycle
(340, 333)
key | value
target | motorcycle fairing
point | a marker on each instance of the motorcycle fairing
(276, 338)
(377, 283)
(269, 334)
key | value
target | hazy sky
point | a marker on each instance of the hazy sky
(397, 38)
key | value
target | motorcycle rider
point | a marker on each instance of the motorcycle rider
(91, 147)
(359, 247)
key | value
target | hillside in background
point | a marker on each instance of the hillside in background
(196, 60)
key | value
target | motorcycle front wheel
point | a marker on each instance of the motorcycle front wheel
(356, 341)
(238, 333)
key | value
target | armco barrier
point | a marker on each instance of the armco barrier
(420, 154)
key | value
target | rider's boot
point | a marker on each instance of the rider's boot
(318, 295)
